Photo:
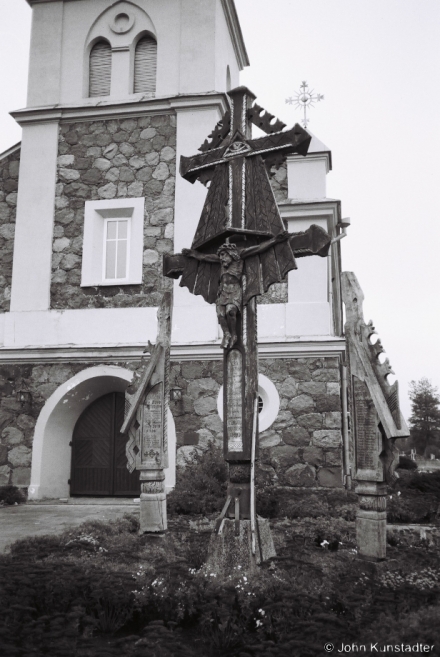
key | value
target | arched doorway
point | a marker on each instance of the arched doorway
(52, 445)
(99, 463)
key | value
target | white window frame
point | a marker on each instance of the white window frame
(96, 216)
(105, 247)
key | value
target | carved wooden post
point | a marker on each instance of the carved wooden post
(240, 377)
(377, 423)
(146, 425)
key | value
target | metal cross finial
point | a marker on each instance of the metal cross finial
(304, 98)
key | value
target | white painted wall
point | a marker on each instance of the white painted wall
(194, 47)
(80, 328)
(306, 177)
(31, 273)
(224, 53)
(45, 54)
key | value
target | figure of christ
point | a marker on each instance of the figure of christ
(230, 292)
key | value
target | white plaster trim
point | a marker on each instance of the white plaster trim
(235, 32)
(51, 452)
(95, 215)
(271, 402)
(327, 208)
(82, 328)
(200, 352)
(91, 108)
(324, 155)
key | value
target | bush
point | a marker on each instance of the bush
(412, 506)
(405, 463)
(200, 487)
(77, 601)
(11, 495)
(267, 500)
(424, 482)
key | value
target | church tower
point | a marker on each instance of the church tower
(89, 204)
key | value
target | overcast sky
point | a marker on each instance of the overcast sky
(377, 63)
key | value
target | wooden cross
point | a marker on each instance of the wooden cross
(240, 215)
(240, 199)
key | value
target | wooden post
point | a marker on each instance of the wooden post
(377, 423)
(240, 371)
(146, 425)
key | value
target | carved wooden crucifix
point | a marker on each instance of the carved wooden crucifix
(241, 248)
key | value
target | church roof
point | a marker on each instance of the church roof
(10, 150)
(316, 145)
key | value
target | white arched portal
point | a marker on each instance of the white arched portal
(51, 451)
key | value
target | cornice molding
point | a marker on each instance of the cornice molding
(235, 32)
(124, 108)
(291, 209)
(298, 349)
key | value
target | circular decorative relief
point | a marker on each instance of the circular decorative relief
(268, 403)
(122, 23)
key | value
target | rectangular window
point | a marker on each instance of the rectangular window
(113, 242)
(116, 240)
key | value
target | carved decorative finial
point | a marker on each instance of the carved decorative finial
(304, 98)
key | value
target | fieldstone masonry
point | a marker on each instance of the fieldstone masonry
(105, 160)
(303, 446)
(9, 167)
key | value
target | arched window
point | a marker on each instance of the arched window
(100, 70)
(145, 63)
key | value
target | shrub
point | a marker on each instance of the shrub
(201, 486)
(74, 602)
(11, 495)
(425, 482)
(267, 500)
(412, 506)
(405, 463)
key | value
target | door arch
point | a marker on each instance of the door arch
(99, 463)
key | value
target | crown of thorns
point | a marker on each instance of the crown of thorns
(229, 248)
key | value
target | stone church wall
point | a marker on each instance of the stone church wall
(9, 166)
(105, 160)
(302, 448)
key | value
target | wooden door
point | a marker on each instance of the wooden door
(99, 464)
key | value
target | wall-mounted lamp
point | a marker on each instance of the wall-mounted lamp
(176, 394)
(23, 394)
(344, 224)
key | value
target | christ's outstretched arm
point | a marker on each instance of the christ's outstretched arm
(264, 246)
(203, 257)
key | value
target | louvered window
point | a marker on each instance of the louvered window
(100, 69)
(145, 65)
